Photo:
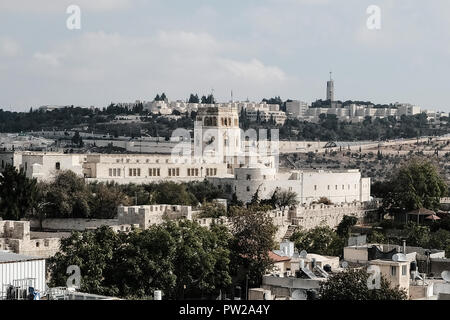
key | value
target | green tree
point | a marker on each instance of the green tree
(417, 184)
(417, 235)
(254, 233)
(201, 262)
(92, 251)
(440, 240)
(194, 98)
(104, 200)
(343, 229)
(286, 199)
(173, 193)
(352, 285)
(144, 263)
(213, 210)
(320, 240)
(68, 197)
(17, 194)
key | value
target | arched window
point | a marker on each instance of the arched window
(58, 166)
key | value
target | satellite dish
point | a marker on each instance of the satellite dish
(303, 254)
(344, 264)
(299, 295)
(399, 257)
(446, 276)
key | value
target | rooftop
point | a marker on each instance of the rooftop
(8, 257)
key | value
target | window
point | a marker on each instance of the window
(58, 166)
(118, 172)
(178, 172)
(328, 187)
(158, 172)
(315, 188)
(249, 177)
(139, 172)
(393, 271)
(335, 187)
(130, 172)
(248, 189)
(404, 270)
(110, 172)
(150, 172)
(114, 172)
(189, 172)
(196, 172)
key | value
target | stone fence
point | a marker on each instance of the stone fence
(72, 224)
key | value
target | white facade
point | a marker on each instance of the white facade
(337, 186)
(43, 165)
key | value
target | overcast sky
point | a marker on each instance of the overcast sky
(133, 49)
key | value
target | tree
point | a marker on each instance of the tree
(417, 235)
(325, 201)
(92, 251)
(343, 229)
(213, 210)
(286, 199)
(68, 196)
(440, 240)
(17, 194)
(182, 259)
(253, 232)
(104, 200)
(201, 261)
(77, 140)
(194, 99)
(144, 263)
(320, 240)
(173, 193)
(417, 184)
(352, 285)
(208, 100)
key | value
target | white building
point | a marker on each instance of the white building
(42, 165)
(337, 186)
(296, 109)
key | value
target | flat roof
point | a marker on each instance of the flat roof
(8, 257)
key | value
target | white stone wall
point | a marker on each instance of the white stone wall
(337, 186)
(319, 214)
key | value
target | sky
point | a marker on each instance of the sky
(129, 50)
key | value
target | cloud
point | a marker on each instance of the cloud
(55, 6)
(9, 47)
(99, 67)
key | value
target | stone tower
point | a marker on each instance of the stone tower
(217, 134)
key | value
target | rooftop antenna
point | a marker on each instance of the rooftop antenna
(331, 73)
